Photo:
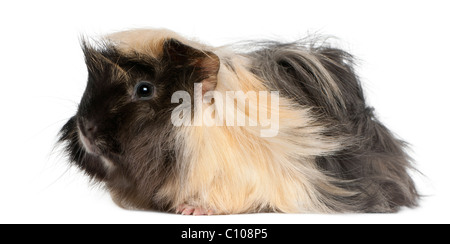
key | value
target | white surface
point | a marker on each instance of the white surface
(402, 45)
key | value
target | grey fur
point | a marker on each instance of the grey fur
(375, 164)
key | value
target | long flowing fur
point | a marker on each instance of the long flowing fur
(331, 153)
(373, 163)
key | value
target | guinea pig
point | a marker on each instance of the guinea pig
(170, 124)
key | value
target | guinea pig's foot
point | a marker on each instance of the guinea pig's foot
(185, 209)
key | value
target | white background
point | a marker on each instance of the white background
(403, 47)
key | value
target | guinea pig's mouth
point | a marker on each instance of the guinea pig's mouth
(91, 148)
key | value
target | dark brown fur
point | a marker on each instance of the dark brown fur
(135, 135)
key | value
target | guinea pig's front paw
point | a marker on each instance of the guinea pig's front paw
(185, 209)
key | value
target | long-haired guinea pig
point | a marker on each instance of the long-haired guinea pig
(169, 124)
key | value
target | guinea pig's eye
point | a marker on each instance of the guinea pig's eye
(144, 90)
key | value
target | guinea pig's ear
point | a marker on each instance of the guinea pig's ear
(206, 63)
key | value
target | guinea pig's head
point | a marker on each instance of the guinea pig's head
(122, 132)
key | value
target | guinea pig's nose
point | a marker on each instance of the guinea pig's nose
(89, 128)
